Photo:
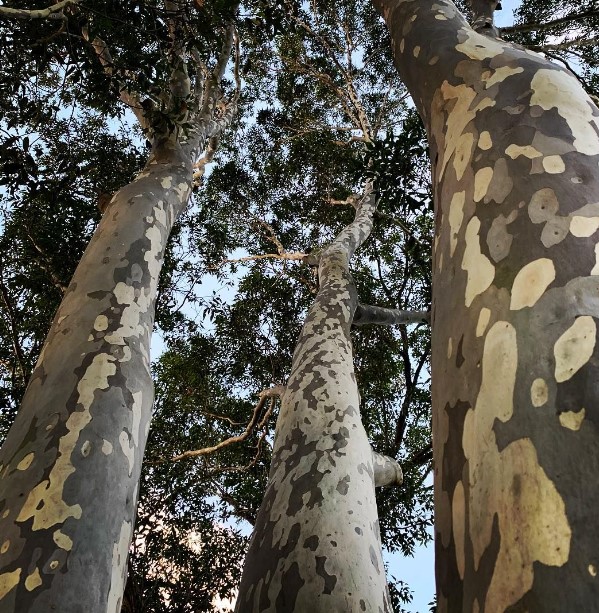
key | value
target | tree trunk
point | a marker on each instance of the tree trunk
(71, 462)
(316, 543)
(515, 148)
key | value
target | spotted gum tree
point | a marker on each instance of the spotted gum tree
(70, 465)
(316, 542)
(514, 143)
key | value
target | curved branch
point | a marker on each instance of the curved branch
(274, 391)
(51, 12)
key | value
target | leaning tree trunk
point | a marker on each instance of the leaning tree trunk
(316, 544)
(70, 466)
(515, 148)
(71, 462)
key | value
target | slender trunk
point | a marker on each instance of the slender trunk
(515, 147)
(316, 544)
(70, 465)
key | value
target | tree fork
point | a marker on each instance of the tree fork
(514, 142)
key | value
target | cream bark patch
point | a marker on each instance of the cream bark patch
(583, 227)
(459, 116)
(539, 393)
(554, 165)
(574, 348)
(456, 217)
(25, 463)
(462, 155)
(496, 493)
(531, 282)
(33, 581)
(44, 503)
(8, 581)
(119, 566)
(458, 515)
(595, 270)
(483, 321)
(527, 151)
(501, 74)
(572, 420)
(479, 47)
(484, 141)
(559, 89)
(478, 266)
(482, 180)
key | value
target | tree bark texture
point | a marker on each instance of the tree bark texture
(316, 543)
(70, 466)
(514, 143)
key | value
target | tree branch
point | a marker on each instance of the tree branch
(52, 12)
(386, 470)
(130, 99)
(539, 27)
(274, 391)
(292, 255)
(13, 329)
(367, 314)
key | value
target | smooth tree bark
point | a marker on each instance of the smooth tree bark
(514, 142)
(316, 543)
(70, 466)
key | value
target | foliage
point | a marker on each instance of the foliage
(322, 109)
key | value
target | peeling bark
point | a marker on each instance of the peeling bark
(316, 543)
(514, 142)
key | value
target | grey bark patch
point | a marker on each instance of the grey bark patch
(374, 559)
(311, 543)
(343, 485)
(329, 580)
(291, 584)
(362, 605)
(499, 240)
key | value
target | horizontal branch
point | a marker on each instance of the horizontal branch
(386, 470)
(367, 314)
(51, 12)
(537, 27)
(565, 45)
(293, 255)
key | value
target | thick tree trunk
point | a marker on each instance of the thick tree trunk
(70, 466)
(316, 544)
(515, 148)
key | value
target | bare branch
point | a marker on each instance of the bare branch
(13, 327)
(45, 264)
(274, 391)
(386, 470)
(129, 98)
(539, 27)
(292, 255)
(565, 45)
(368, 314)
(200, 165)
(52, 12)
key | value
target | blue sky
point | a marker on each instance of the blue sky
(418, 571)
